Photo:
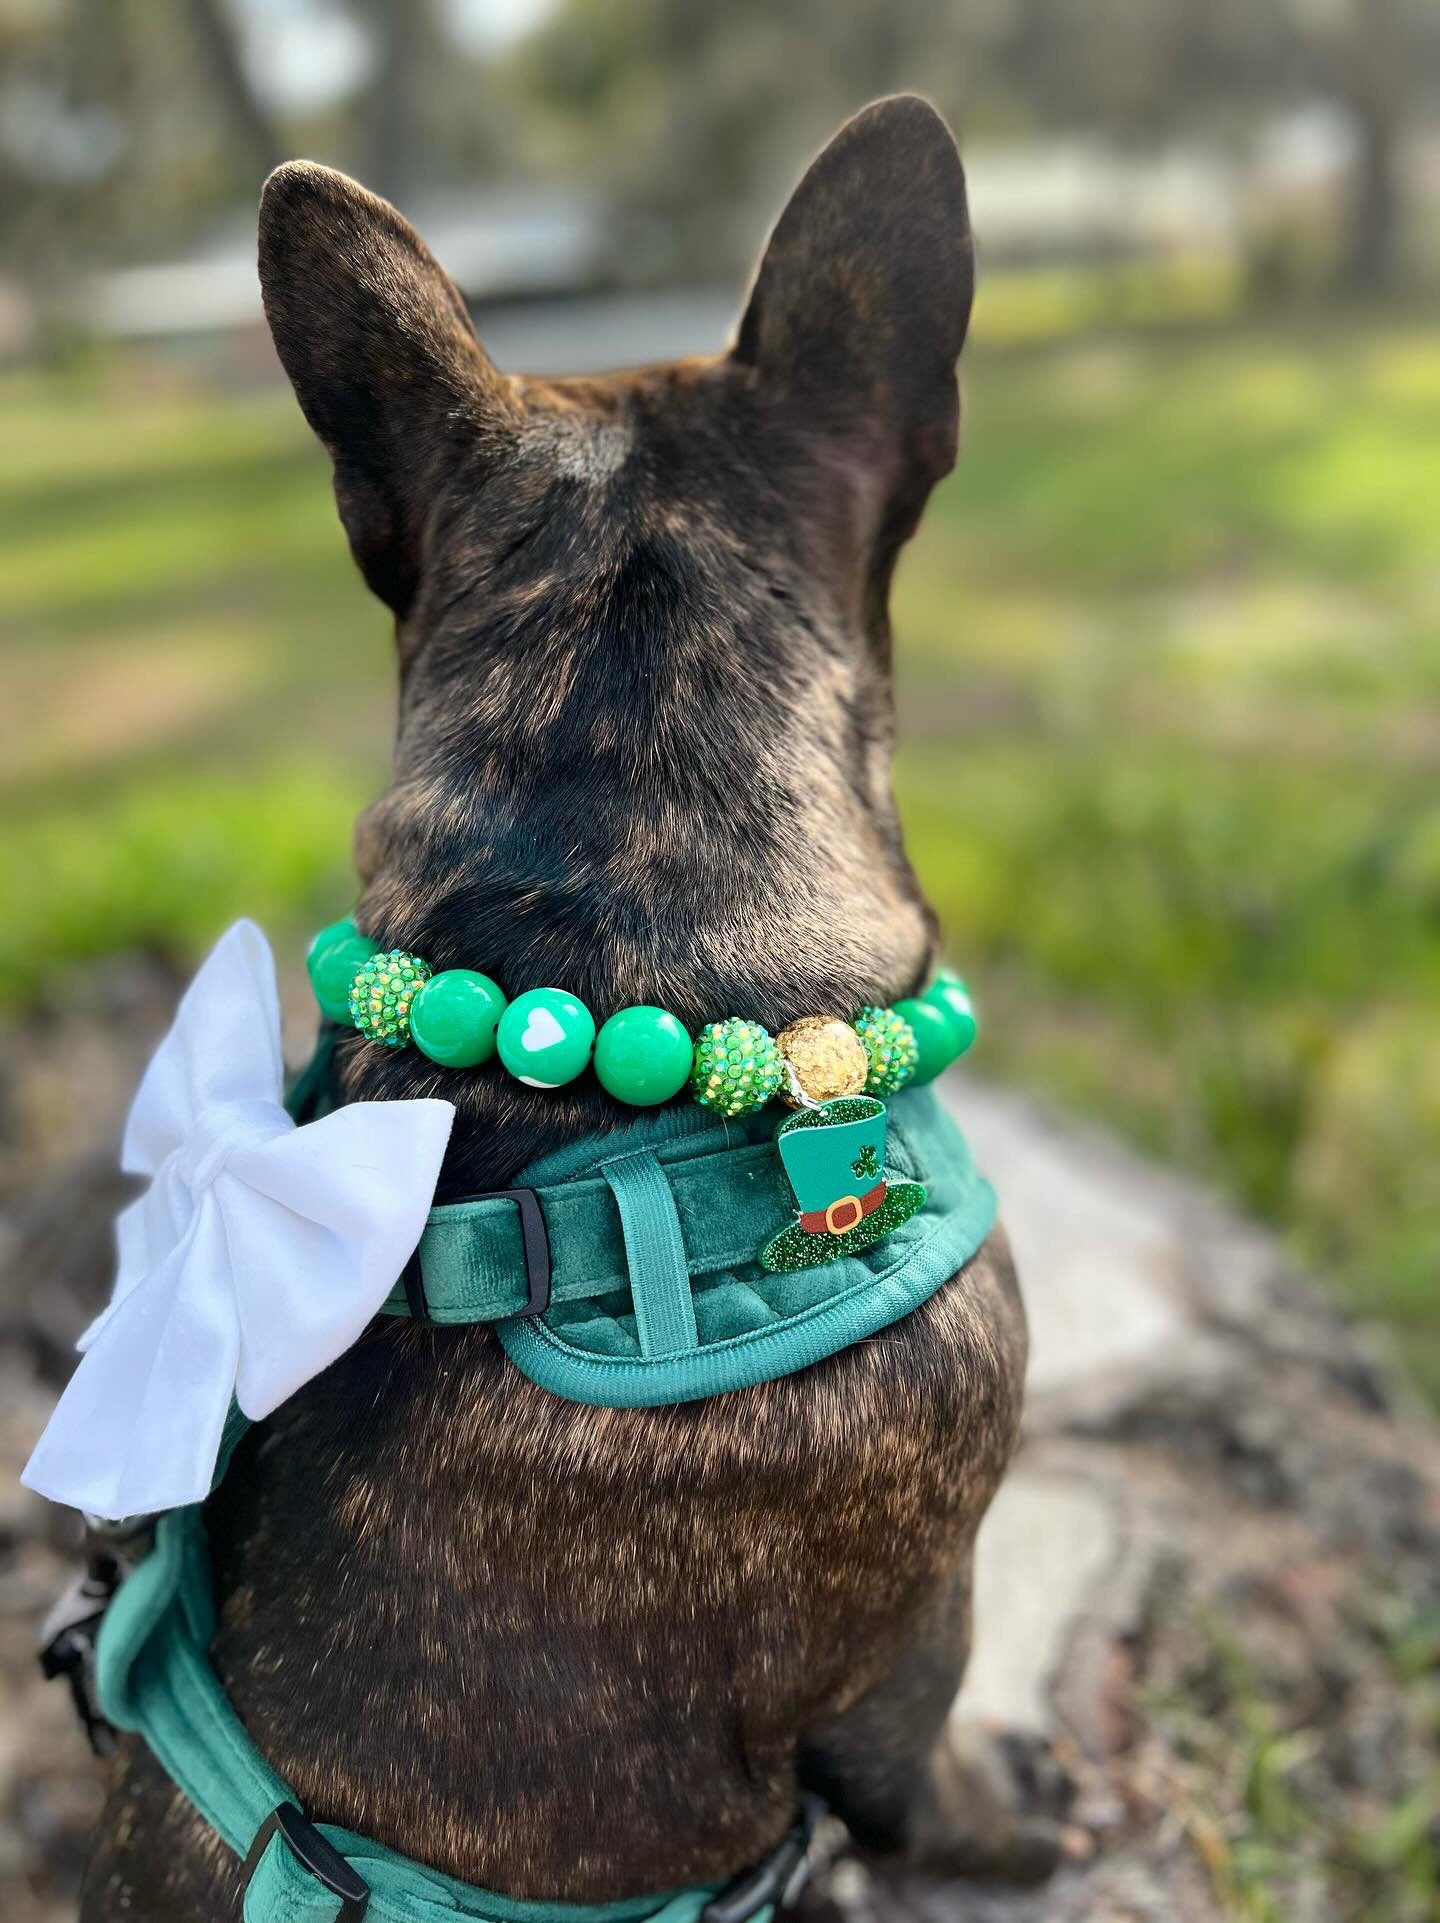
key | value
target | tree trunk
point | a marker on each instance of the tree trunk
(1370, 71)
(1371, 259)
(238, 99)
(392, 119)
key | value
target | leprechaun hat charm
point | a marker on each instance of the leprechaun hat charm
(834, 1156)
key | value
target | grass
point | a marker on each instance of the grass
(1174, 634)
(1170, 677)
(1266, 1789)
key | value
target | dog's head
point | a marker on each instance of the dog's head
(645, 705)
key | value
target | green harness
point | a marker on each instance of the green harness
(655, 1294)
(620, 1270)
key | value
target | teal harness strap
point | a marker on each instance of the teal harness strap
(750, 1326)
(472, 1259)
(153, 1676)
(655, 1252)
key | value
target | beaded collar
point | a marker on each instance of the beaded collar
(642, 1055)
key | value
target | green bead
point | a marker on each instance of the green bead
(936, 1042)
(454, 1016)
(643, 1056)
(545, 1037)
(381, 994)
(949, 992)
(342, 930)
(335, 955)
(891, 1046)
(737, 1067)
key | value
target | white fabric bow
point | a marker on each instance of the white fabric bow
(256, 1256)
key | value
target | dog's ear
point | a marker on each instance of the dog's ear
(382, 356)
(859, 309)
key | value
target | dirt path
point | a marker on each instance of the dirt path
(1213, 1577)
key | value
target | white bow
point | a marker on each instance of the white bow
(256, 1256)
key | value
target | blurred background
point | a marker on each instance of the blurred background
(1168, 642)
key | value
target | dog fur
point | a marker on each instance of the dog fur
(644, 742)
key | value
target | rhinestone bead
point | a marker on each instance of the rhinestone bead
(737, 1067)
(890, 1047)
(381, 994)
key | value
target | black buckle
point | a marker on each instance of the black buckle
(72, 1625)
(534, 1240)
(412, 1280)
(321, 1859)
(777, 1879)
(67, 1648)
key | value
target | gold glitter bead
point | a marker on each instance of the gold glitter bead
(827, 1057)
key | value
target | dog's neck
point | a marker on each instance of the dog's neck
(634, 844)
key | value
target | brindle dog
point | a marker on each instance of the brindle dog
(644, 750)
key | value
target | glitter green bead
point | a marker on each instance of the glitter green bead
(335, 954)
(381, 994)
(891, 1047)
(737, 1067)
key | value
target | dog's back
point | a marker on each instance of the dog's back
(580, 1652)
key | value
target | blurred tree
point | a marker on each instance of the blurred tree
(127, 130)
(1371, 64)
(248, 114)
(123, 129)
(689, 112)
(136, 128)
(1147, 68)
(404, 44)
(431, 112)
(687, 115)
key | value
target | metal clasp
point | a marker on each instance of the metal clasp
(776, 1880)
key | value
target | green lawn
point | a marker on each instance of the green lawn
(1181, 815)
(1170, 673)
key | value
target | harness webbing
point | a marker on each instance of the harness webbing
(654, 1248)
(155, 1677)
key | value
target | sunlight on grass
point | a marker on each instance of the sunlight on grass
(174, 859)
(1169, 649)
(70, 711)
(1044, 304)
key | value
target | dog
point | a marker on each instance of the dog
(644, 743)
